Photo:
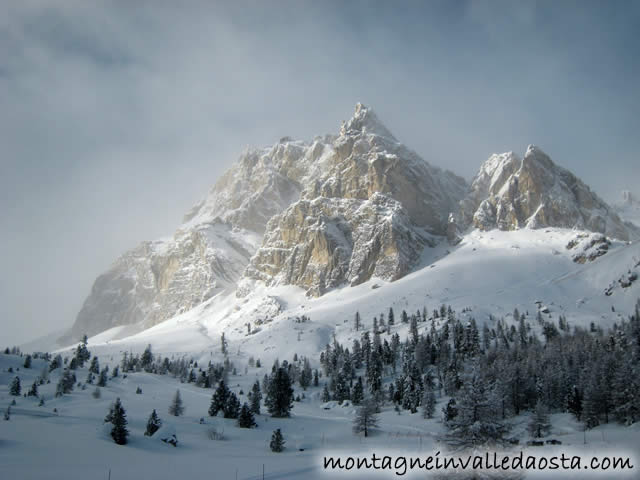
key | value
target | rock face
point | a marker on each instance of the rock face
(509, 193)
(160, 279)
(369, 213)
(339, 210)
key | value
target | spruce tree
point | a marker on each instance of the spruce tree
(279, 399)
(94, 367)
(102, 378)
(277, 441)
(153, 424)
(428, 403)
(219, 399)
(176, 408)
(255, 396)
(326, 396)
(118, 417)
(478, 421)
(232, 406)
(14, 387)
(357, 395)
(33, 391)
(574, 402)
(539, 425)
(27, 361)
(245, 418)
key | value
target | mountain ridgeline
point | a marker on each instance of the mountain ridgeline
(334, 212)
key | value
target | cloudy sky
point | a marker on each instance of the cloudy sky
(115, 117)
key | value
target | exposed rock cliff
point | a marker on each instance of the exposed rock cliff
(368, 213)
(509, 193)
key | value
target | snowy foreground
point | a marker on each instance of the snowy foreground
(487, 273)
(37, 443)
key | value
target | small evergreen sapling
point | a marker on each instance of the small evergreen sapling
(153, 424)
(176, 408)
(277, 441)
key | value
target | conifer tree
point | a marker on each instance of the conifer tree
(428, 403)
(539, 425)
(277, 441)
(153, 424)
(176, 408)
(478, 421)
(27, 361)
(326, 396)
(94, 367)
(219, 399)
(232, 406)
(279, 399)
(102, 378)
(245, 418)
(358, 392)
(14, 387)
(255, 396)
(33, 391)
(118, 418)
(574, 402)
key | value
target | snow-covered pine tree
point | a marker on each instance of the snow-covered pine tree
(224, 345)
(176, 408)
(277, 441)
(366, 418)
(219, 399)
(245, 418)
(147, 359)
(326, 396)
(118, 418)
(232, 406)
(357, 396)
(255, 396)
(14, 387)
(478, 421)
(153, 424)
(33, 391)
(279, 399)
(539, 424)
(27, 361)
(102, 378)
(574, 402)
(94, 367)
(428, 403)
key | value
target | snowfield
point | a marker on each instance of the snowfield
(488, 273)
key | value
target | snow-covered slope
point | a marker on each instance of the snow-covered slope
(488, 273)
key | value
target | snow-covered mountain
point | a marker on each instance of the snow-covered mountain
(341, 211)
(628, 207)
(510, 193)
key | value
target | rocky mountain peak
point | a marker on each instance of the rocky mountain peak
(365, 121)
(535, 192)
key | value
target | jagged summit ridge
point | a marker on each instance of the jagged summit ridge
(338, 210)
(369, 213)
(510, 193)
